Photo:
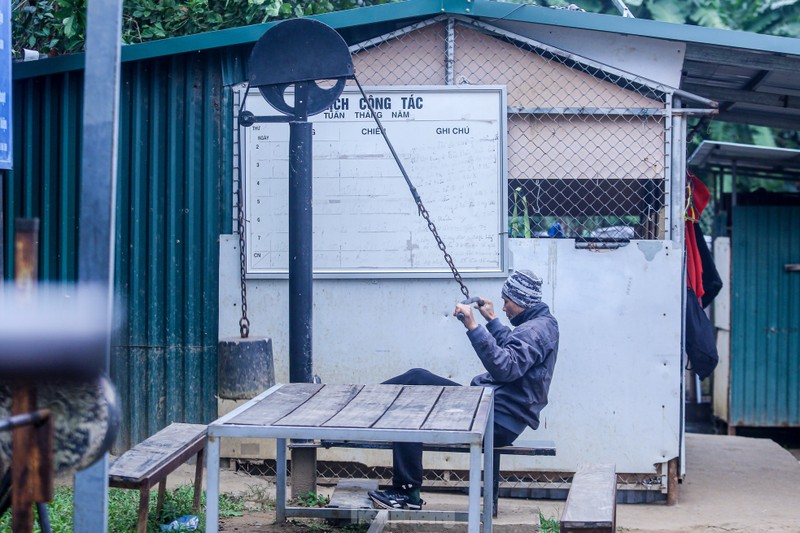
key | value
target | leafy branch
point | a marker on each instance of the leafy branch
(57, 27)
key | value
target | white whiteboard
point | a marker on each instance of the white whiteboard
(452, 144)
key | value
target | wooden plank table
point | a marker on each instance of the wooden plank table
(395, 413)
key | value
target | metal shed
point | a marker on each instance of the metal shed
(176, 181)
(757, 250)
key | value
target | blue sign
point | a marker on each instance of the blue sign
(5, 85)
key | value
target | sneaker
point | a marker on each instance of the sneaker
(397, 499)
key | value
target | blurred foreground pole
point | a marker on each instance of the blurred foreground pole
(97, 209)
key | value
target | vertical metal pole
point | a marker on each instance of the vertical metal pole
(489, 481)
(450, 52)
(280, 485)
(677, 176)
(97, 209)
(301, 273)
(676, 233)
(720, 228)
(300, 252)
(212, 483)
(474, 494)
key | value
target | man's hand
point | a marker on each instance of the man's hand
(468, 320)
(487, 310)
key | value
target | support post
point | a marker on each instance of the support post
(280, 481)
(279, 60)
(301, 274)
(300, 252)
(489, 471)
(198, 480)
(672, 481)
(23, 463)
(212, 484)
(97, 210)
(474, 493)
(304, 471)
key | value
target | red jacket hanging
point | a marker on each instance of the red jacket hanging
(697, 198)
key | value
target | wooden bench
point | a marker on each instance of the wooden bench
(530, 448)
(592, 501)
(152, 460)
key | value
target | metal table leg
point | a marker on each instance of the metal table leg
(212, 484)
(280, 489)
(488, 472)
(474, 511)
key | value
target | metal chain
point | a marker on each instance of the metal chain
(244, 322)
(448, 259)
(422, 211)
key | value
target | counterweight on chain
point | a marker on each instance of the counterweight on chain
(422, 211)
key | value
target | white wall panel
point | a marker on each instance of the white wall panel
(616, 392)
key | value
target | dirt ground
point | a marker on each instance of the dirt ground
(732, 484)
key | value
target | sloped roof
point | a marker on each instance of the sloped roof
(753, 77)
(747, 160)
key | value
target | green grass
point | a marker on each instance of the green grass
(124, 504)
(548, 525)
(320, 526)
(311, 499)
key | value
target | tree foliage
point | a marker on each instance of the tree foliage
(56, 27)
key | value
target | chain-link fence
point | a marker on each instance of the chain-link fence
(521, 484)
(586, 144)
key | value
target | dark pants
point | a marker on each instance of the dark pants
(407, 456)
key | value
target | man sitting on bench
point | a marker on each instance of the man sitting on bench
(520, 365)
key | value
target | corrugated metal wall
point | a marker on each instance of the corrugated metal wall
(174, 200)
(44, 182)
(765, 317)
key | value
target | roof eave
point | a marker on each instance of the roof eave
(488, 10)
(629, 26)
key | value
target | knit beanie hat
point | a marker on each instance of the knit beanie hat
(524, 288)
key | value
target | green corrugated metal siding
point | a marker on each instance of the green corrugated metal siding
(174, 200)
(765, 317)
(44, 181)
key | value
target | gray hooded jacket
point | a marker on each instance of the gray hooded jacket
(520, 365)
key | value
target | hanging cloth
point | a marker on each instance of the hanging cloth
(712, 282)
(697, 198)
